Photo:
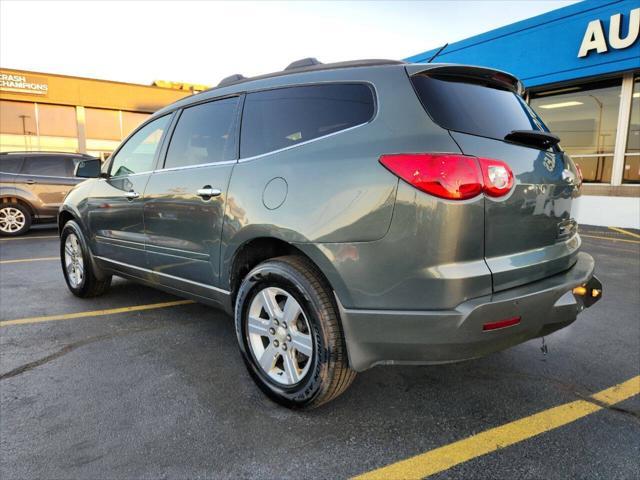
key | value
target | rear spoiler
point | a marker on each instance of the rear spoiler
(485, 76)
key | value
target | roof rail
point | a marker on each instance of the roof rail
(303, 62)
(236, 77)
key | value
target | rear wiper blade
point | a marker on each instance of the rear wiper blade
(533, 138)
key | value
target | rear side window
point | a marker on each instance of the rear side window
(280, 118)
(205, 134)
(49, 166)
(10, 164)
(473, 108)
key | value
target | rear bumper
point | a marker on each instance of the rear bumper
(440, 336)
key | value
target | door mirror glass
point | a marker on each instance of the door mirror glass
(89, 168)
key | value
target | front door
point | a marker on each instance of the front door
(185, 200)
(115, 213)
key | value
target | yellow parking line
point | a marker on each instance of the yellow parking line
(611, 239)
(622, 230)
(29, 237)
(448, 456)
(20, 260)
(94, 313)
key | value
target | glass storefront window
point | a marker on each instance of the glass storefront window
(18, 118)
(131, 120)
(57, 121)
(585, 118)
(631, 172)
(103, 124)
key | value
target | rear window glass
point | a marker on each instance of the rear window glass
(49, 165)
(472, 108)
(10, 164)
(276, 119)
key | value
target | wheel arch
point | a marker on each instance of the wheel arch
(15, 199)
(257, 250)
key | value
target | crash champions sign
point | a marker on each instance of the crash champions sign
(23, 83)
(595, 40)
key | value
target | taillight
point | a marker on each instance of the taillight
(498, 177)
(456, 177)
(451, 176)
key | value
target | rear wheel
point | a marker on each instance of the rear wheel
(289, 333)
(77, 266)
(15, 219)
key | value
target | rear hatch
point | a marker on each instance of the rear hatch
(529, 233)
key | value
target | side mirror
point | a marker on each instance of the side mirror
(89, 168)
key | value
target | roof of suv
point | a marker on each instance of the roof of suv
(65, 154)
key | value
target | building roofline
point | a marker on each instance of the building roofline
(89, 79)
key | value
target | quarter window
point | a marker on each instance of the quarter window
(204, 134)
(137, 155)
(280, 118)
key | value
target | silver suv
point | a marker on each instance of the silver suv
(347, 215)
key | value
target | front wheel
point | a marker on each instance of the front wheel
(289, 333)
(77, 266)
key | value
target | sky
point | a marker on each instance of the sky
(203, 42)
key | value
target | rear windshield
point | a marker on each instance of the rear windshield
(472, 108)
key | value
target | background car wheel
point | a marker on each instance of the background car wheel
(289, 333)
(77, 266)
(15, 219)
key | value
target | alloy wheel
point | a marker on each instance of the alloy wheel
(11, 220)
(73, 260)
(279, 336)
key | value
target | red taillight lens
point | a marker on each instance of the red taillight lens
(498, 177)
(451, 176)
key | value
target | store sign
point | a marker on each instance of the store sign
(594, 36)
(17, 83)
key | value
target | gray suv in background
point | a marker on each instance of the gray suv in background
(347, 215)
(33, 186)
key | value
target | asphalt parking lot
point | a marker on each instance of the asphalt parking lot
(161, 392)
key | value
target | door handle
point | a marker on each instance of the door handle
(131, 195)
(208, 192)
(30, 181)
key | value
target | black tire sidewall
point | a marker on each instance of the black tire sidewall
(27, 219)
(281, 275)
(72, 227)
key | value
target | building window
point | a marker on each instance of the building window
(131, 120)
(631, 172)
(103, 124)
(57, 121)
(585, 118)
(18, 118)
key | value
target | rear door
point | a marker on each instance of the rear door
(529, 234)
(49, 178)
(185, 200)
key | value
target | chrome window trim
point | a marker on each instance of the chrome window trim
(376, 113)
(189, 167)
(146, 270)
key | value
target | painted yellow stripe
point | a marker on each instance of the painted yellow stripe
(448, 456)
(21, 260)
(29, 237)
(622, 230)
(94, 313)
(611, 239)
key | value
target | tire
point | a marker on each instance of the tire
(305, 362)
(15, 219)
(75, 257)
